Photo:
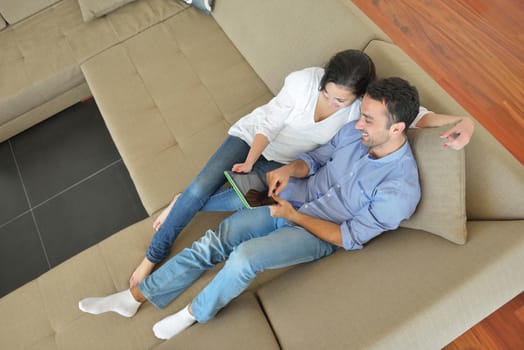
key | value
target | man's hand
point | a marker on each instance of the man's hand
(460, 135)
(282, 209)
(277, 180)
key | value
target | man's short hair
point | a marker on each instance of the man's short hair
(400, 97)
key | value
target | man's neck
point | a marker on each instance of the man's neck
(391, 146)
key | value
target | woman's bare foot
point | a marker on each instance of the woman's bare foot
(163, 215)
(142, 271)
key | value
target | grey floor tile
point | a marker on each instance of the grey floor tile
(63, 150)
(13, 201)
(22, 258)
(88, 213)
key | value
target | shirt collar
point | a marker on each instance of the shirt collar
(392, 157)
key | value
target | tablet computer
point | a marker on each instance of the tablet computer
(249, 188)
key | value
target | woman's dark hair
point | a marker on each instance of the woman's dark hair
(400, 98)
(352, 69)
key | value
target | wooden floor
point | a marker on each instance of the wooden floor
(502, 330)
(473, 48)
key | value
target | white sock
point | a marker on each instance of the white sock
(174, 324)
(122, 303)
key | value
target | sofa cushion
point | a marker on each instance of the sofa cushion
(92, 9)
(15, 10)
(495, 179)
(241, 325)
(404, 290)
(442, 207)
(168, 96)
(41, 56)
(2, 22)
(24, 318)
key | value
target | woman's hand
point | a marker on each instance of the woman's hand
(141, 272)
(242, 167)
(460, 135)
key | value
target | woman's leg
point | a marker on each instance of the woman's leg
(225, 199)
(207, 182)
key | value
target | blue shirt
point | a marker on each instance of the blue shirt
(347, 186)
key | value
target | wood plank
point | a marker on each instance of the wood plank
(473, 48)
(503, 329)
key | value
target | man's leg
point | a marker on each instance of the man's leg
(177, 274)
(284, 247)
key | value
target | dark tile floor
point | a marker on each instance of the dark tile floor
(63, 188)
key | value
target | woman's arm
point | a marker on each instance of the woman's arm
(458, 136)
(260, 142)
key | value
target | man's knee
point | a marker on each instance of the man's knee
(244, 262)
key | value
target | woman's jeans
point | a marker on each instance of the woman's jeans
(195, 197)
(249, 248)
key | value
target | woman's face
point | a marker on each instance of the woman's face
(337, 96)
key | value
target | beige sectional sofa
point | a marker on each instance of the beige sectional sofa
(168, 90)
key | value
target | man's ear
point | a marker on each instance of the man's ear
(398, 128)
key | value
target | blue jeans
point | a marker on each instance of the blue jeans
(199, 191)
(249, 248)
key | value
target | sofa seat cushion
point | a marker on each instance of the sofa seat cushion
(41, 56)
(168, 96)
(404, 285)
(241, 325)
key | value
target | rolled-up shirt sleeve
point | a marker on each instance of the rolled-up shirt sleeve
(386, 209)
(422, 111)
(273, 116)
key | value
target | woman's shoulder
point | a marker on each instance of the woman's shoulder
(306, 75)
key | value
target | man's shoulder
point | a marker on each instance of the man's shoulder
(348, 133)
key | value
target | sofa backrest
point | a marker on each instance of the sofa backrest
(15, 10)
(277, 37)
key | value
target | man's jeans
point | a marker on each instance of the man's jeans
(197, 194)
(251, 241)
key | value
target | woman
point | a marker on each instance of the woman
(312, 106)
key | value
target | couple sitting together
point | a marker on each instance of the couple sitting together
(333, 151)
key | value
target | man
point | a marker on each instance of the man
(343, 194)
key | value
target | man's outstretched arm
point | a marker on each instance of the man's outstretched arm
(325, 230)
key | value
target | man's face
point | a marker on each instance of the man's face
(373, 124)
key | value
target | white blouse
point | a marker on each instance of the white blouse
(288, 120)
